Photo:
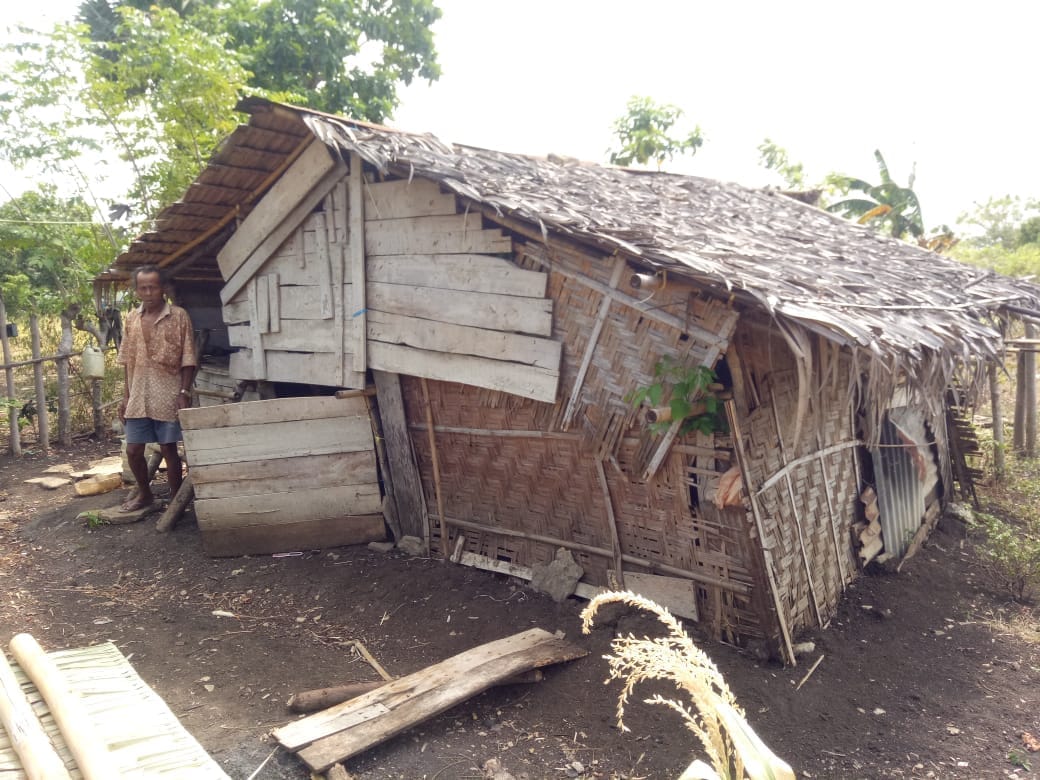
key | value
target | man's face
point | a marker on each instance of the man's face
(148, 288)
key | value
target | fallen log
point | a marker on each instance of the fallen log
(323, 698)
(177, 505)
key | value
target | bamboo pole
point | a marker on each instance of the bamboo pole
(756, 512)
(1029, 402)
(43, 414)
(39, 759)
(794, 510)
(435, 462)
(999, 466)
(92, 758)
(15, 444)
(1018, 432)
(62, 364)
(615, 540)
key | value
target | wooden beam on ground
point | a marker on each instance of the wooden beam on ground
(176, 507)
(333, 735)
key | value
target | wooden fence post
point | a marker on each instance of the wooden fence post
(62, 363)
(43, 415)
(999, 467)
(12, 411)
(1029, 400)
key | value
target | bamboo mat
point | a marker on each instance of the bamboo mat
(140, 730)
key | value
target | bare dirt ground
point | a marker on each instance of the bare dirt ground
(925, 673)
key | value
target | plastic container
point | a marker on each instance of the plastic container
(93, 363)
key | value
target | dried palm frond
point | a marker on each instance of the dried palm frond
(732, 747)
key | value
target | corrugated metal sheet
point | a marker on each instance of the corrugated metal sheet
(905, 471)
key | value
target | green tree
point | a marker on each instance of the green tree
(340, 56)
(887, 206)
(643, 134)
(773, 157)
(1007, 221)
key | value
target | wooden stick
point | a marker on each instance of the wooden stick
(92, 758)
(371, 660)
(808, 673)
(999, 467)
(43, 414)
(39, 759)
(615, 541)
(176, 507)
(393, 522)
(436, 472)
(15, 444)
(756, 512)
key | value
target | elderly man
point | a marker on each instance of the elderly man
(158, 356)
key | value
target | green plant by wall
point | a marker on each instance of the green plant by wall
(689, 397)
(1010, 552)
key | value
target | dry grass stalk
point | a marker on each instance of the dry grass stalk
(733, 748)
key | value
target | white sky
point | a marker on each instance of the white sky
(949, 85)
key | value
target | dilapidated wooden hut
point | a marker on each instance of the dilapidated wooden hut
(487, 318)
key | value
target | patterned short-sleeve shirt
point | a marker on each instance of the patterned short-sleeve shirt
(154, 356)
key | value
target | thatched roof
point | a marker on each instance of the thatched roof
(905, 306)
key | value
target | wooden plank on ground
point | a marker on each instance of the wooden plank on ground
(475, 273)
(287, 439)
(347, 729)
(434, 235)
(304, 535)
(463, 340)
(274, 410)
(407, 484)
(300, 178)
(480, 310)
(290, 507)
(526, 381)
(403, 198)
(278, 475)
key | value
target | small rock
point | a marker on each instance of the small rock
(49, 483)
(559, 578)
(493, 770)
(383, 547)
(412, 545)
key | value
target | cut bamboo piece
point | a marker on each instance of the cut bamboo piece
(39, 759)
(92, 758)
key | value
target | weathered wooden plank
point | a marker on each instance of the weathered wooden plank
(539, 384)
(287, 537)
(419, 696)
(304, 302)
(263, 305)
(678, 595)
(480, 310)
(273, 410)
(475, 273)
(308, 367)
(433, 235)
(407, 484)
(278, 475)
(289, 507)
(256, 350)
(235, 312)
(326, 273)
(277, 236)
(274, 303)
(287, 439)
(280, 201)
(463, 340)
(356, 318)
(402, 198)
(293, 336)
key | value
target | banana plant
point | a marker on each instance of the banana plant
(887, 205)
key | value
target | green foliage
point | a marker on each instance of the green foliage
(682, 386)
(774, 158)
(94, 520)
(1006, 222)
(49, 251)
(887, 205)
(1012, 553)
(643, 134)
(1018, 759)
(340, 56)
(1023, 261)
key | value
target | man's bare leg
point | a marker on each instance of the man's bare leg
(174, 469)
(139, 467)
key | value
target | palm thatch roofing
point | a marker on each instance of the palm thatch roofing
(906, 308)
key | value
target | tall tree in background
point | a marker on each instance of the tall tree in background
(643, 134)
(887, 205)
(340, 56)
(773, 157)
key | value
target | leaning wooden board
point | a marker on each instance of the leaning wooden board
(282, 475)
(347, 729)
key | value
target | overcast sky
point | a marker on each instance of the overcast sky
(950, 86)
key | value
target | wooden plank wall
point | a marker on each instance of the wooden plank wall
(282, 475)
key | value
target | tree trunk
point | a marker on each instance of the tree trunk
(43, 415)
(998, 424)
(1018, 440)
(64, 412)
(12, 410)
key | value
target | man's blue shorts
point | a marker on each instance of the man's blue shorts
(145, 430)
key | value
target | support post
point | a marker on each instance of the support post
(43, 414)
(15, 443)
(62, 363)
(1029, 400)
(999, 467)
